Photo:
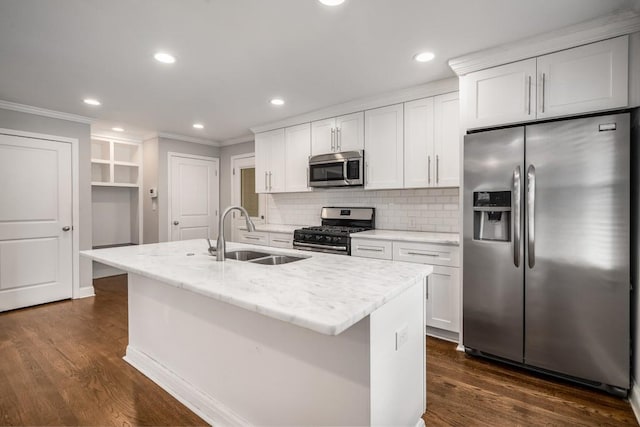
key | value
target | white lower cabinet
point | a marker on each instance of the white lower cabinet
(281, 240)
(367, 248)
(443, 285)
(443, 299)
(254, 237)
(264, 238)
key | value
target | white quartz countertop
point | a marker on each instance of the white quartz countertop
(276, 228)
(410, 236)
(325, 293)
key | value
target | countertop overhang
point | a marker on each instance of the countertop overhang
(325, 293)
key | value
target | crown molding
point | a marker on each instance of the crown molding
(605, 27)
(14, 106)
(117, 138)
(437, 87)
(238, 140)
(186, 138)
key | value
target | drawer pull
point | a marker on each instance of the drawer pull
(281, 241)
(251, 238)
(362, 248)
(423, 254)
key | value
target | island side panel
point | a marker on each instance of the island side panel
(398, 377)
(259, 369)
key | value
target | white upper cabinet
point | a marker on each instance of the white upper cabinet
(500, 95)
(297, 150)
(584, 79)
(344, 133)
(323, 136)
(350, 132)
(419, 157)
(432, 142)
(383, 152)
(446, 110)
(270, 161)
(587, 78)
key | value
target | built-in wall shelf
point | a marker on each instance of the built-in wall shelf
(116, 196)
(115, 163)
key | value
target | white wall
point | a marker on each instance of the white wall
(150, 180)
(423, 209)
(156, 174)
(82, 132)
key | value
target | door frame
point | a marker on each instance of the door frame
(170, 156)
(235, 191)
(76, 290)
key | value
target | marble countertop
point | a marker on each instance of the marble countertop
(410, 236)
(276, 228)
(325, 293)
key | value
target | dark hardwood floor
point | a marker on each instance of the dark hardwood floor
(61, 364)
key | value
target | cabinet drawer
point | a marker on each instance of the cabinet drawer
(367, 248)
(281, 240)
(427, 253)
(254, 238)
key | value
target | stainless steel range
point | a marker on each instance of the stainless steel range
(334, 235)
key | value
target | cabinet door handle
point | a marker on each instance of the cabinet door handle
(265, 180)
(529, 97)
(437, 169)
(270, 187)
(333, 139)
(366, 172)
(544, 78)
(370, 249)
(429, 170)
(338, 140)
(423, 254)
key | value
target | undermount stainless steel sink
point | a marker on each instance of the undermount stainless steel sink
(261, 257)
(245, 255)
(276, 259)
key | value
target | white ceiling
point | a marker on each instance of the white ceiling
(235, 55)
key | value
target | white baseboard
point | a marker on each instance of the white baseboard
(203, 405)
(420, 422)
(442, 334)
(85, 292)
(634, 400)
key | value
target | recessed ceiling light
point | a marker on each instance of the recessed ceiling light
(198, 125)
(118, 129)
(331, 2)
(164, 57)
(91, 101)
(277, 101)
(424, 57)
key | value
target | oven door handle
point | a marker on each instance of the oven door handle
(316, 246)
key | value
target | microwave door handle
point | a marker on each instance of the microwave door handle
(344, 171)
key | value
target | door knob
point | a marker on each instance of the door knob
(66, 228)
(176, 222)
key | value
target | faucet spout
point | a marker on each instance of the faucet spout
(221, 243)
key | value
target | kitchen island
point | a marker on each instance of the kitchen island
(327, 340)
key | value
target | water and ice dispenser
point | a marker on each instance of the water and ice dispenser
(492, 216)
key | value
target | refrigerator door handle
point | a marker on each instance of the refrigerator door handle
(531, 211)
(515, 201)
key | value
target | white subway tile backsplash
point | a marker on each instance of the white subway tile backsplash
(420, 209)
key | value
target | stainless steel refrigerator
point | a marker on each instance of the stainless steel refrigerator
(547, 248)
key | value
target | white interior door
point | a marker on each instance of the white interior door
(35, 222)
(194, 198)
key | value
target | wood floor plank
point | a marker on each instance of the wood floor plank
(61, 364)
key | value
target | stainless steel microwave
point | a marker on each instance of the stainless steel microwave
(344, 169)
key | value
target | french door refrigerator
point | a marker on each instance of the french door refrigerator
(546, 248)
